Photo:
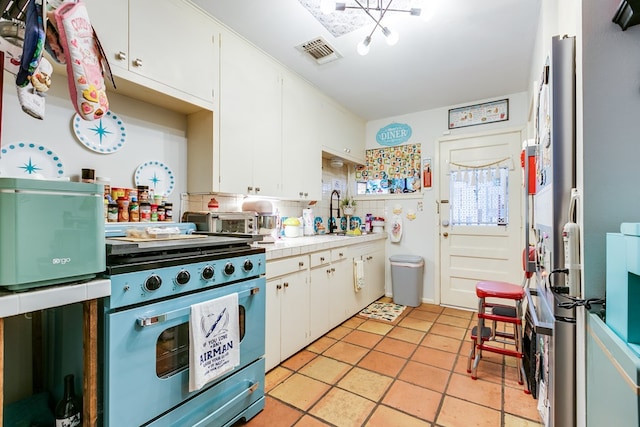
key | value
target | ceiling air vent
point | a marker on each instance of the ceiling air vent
(319, 50)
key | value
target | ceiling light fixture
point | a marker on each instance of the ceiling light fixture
(370, 7)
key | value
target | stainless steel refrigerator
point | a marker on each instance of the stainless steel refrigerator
(550, 321)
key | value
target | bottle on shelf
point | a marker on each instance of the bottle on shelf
(68, 411)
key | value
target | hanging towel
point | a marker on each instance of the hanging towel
(214, 341)
(358, 274)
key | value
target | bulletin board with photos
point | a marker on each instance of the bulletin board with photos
(390, 170)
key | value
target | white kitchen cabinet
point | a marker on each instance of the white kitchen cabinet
(301, 140)
(167, 46)
(287, 308)
(343, 133)
(341, 286)
(319, 294)
(374, 271)
(250, 120)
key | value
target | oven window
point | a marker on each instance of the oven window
(172, 347)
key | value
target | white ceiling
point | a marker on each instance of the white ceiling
(470, 50)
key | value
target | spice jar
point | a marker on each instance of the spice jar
(154, 212)
(145, 212)
(112, 212)
(168, 211)
(134, 210)
(143, 193)
(161, 213)
(123, 209)
(213, 205)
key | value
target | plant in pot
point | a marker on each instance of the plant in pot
(348, 205)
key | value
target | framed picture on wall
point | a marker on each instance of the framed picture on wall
(479, 114)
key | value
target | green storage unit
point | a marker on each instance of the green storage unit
(51, 231)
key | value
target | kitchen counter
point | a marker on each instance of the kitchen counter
(291, 246)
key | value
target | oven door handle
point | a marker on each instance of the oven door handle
(182, 312)
(250, 388)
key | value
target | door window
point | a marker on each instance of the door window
(479, 196)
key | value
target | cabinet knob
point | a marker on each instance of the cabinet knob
(249, 189)
(306, 194)
(321, 259)
(137, 62)
(333, 269)
(301, 264)
(328, 271)
(278, 286)
(347, 150)
(340, 254)
(122, 56)
(257, 189)
(286, 284)
(300, 194)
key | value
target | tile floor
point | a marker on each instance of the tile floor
(410, 373)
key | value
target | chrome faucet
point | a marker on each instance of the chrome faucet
(332, 222)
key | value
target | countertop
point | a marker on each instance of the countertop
(14, 303)
(291, 246)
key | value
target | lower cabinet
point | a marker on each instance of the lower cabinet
(287, 309)
(308, 295)
(319, 295)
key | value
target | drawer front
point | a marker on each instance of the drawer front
(320, 258)
(284, 266)
(339, 254)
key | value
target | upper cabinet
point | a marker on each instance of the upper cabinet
(301, 142)
(168, 47)
(343, 133)
(250, 120)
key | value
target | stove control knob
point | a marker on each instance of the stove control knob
(248, 265)
(183, 277)
(152, 283)
(229, 269)
(207, 273)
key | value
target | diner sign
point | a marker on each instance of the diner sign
(394, 134)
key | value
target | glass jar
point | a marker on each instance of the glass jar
(145, 212)
(161, 213)
(134, 210)
(112, 212)
(154, 212)
(123, 209)
(168, 211)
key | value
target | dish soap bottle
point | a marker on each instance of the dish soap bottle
(68, 410)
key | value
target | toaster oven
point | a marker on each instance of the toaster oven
(223, 222)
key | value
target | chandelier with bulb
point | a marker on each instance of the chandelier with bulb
(376, 10)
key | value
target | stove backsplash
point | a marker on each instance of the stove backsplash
(331, 178)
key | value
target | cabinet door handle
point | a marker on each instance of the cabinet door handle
(306, 194)
(333, 270)
(328, 271)
(137, 62)
(278, 286)
(301, 264)
(286, 284)
(300, 194)
(321, 259)
(340, 254)
(257, 189)
(122, 56)
(249, 189)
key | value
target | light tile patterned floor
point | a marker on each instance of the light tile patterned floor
(413, 373)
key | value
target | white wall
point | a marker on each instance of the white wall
(153, 133)
(420, 236)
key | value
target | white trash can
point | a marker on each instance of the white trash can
(406, 279)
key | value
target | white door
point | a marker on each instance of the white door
(481, 231)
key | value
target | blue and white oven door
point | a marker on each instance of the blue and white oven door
(147, 367)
